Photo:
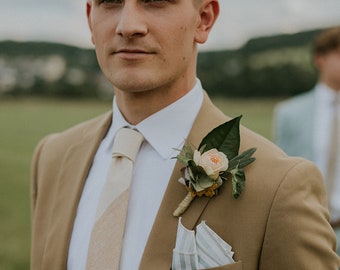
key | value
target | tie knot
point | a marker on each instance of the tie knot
(127, 143)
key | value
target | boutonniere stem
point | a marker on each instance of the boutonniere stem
(184, 204)
(216, 160)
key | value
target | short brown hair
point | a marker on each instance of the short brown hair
(327, 41)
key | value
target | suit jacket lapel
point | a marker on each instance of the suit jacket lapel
(75, 168)
(161, 242)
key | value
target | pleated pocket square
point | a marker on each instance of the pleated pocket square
(202, 250)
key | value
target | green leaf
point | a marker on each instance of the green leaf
(186, 154)
(225, 138)
(238, 182)
(194, 168)
(198, 177)
(242, 160)
(202, 183)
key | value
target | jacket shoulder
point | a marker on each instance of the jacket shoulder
(77, 132)
(52, 148)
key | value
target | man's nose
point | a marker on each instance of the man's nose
(131, 21)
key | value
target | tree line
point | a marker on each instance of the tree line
(273, 66)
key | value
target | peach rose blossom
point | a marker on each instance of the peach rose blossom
(213, 162)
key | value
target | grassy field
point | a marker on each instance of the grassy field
(24, 122)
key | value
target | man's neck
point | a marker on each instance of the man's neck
(137, 106)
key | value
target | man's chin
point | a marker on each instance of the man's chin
(134, 82)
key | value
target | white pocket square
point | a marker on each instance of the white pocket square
(203, 250)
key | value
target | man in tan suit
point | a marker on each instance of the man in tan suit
(148, 51)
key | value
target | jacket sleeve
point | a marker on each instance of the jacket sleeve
(299, 213)
(34, 174)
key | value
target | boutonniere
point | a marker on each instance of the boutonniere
(216, 160)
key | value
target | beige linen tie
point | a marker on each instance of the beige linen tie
(333, 147)
(107, 234)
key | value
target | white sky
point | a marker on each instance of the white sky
(65, 21)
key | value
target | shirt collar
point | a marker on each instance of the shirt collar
(167, 129)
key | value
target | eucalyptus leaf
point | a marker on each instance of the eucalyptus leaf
(183, 159)
(186, 154)
(242, 160)
(225, 138)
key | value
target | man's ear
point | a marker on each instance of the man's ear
(208, 13)
(88, 15)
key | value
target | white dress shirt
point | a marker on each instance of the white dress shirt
(323, 126)
(163, 131)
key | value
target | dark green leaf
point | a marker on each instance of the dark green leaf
(225, 138)
(197, 171)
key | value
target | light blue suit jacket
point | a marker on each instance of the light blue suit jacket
(294, 121)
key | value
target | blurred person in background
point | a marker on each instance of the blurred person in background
(307, 125)
(148, 51)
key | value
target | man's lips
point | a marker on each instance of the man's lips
(132, 53)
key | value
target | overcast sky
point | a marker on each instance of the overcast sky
(65, 21)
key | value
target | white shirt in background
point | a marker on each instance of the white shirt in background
(323, 126)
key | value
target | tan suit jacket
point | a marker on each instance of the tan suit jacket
(280, 222)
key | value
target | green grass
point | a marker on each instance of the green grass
(22, 125)
(257, 113)
(24, 122)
